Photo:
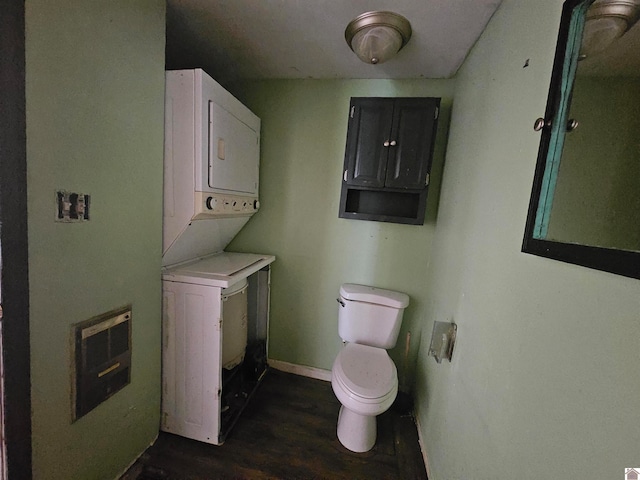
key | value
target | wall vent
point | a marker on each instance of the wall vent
(102, 358)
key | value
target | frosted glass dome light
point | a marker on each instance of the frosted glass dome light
(375, 37)
(600, 33)
(605, 22)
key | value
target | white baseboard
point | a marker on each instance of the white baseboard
(312, 372)
(422, 447)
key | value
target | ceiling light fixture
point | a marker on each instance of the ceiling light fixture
(375, 37)
(606, 21)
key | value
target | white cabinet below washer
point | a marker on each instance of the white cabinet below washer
(201, 399)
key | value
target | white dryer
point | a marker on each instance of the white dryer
(215, 303)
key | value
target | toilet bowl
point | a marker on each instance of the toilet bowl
(363, 377)
(365, 381)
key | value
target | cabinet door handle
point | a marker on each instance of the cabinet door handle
(386, 143)
(393, 143)
(540, 123)
(344, 176)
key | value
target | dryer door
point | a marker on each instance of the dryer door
(234, 152)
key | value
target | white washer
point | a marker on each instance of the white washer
(193, 385)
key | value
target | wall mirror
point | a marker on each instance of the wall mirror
(585, 201)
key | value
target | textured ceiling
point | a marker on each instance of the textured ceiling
(258, 39)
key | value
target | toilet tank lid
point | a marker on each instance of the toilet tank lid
(378, 296)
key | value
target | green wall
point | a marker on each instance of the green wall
(95, 100)
(544, 379)
(304, 126)
(596, 199)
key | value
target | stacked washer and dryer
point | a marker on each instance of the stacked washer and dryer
(215, 303)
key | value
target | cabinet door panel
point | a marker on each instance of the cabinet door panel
(413, 130)
(369, 128)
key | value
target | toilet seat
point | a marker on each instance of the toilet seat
(366, 373)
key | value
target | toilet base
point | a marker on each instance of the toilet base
(356, 432)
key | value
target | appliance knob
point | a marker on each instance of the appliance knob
(256, 204)
(210, 203)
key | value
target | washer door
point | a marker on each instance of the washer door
(366, 371)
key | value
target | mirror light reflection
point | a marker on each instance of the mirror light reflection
(593, 179)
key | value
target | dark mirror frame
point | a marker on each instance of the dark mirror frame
(621, 262)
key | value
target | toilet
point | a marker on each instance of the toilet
(363, 377)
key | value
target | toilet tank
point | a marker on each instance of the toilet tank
(369, 315)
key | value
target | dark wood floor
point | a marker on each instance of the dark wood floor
(288, 431)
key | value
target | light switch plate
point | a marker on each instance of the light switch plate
(72, 207)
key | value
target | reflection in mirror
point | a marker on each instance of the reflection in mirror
(587, 186)
(597, 194)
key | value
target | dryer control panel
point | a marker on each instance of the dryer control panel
(211, 205)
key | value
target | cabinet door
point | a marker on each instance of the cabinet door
(191, 361)
(369, 128)
(414, 121)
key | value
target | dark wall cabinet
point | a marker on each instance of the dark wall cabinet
(388, 159)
